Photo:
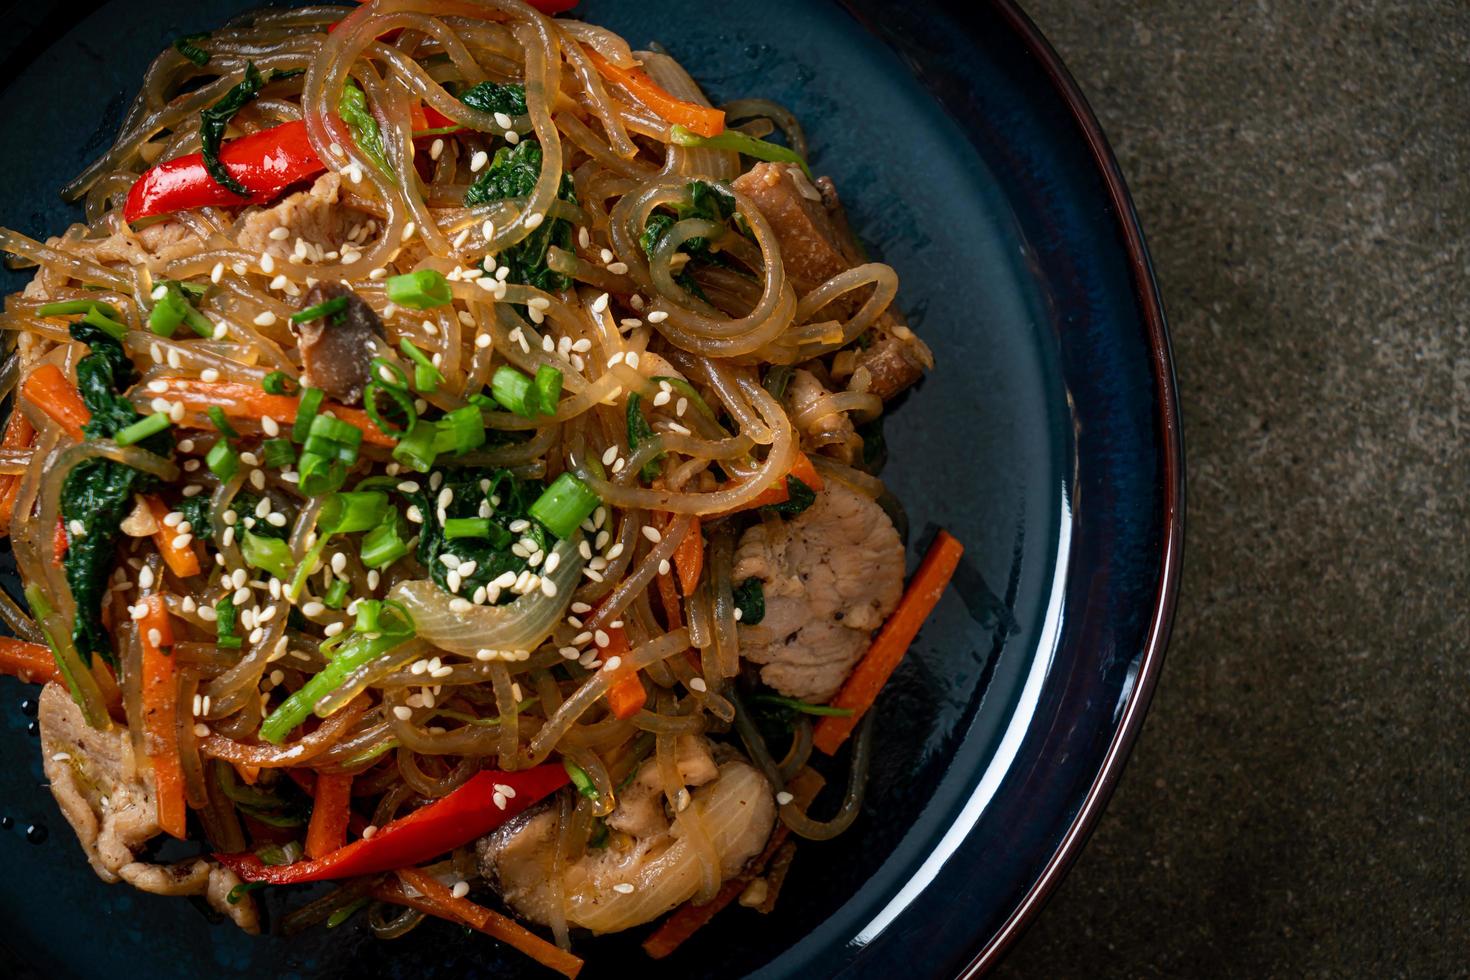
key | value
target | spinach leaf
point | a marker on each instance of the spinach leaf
(640, 431)
(196, 511)
(512, 174)
(98, 493)
(214, 121)
(186, 47)
(492, 98)
(245, 503)
(801, 497)
(707, 200)
(353, 109)
(492, 555)
(750, 599)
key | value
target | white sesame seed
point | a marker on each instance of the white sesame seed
(651, 533)
(368, 832)
(334, 628)
(182, 541)
(408, 229)
(280, 233)
(460, 889)
(618, 268)
(201, 730)
(436, 148)
(373, 578)
(402, 713)
(534, 220)
(663, 567)
(783, 798)
(613, 663)
(512, 137)
(217, 273)
(657, 316)
(267, 263)
(623, 888)
(478, 161)
(698, 684)
(271, 426)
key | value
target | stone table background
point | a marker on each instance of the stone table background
(1297, 804)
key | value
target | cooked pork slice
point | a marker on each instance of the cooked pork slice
(831, 433)
(640, 809)
(111, 805)
(816, 244)
(812, 250)
(337, 350)
(737, 812)
(315, 216)
(831, 575)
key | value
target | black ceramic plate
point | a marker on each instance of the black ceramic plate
(1046, 439)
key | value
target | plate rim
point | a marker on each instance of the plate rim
(1171, 446)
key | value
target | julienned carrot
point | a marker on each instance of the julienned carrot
(58, 541)
(330, 812)
(689, 556)
(160, 705)
(181, 560)
(627, 696)
(802, 469)
(892, 642)
(701, 119)
(245, 401)
(689, 918)
(19, 434)
(50, 391)
(434, 899)
(31, 662)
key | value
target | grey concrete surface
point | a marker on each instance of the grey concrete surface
(1298, 803)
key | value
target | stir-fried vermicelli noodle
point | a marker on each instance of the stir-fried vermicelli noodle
(445, 458)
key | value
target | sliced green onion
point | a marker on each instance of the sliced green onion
(335, 305)
(279, 453)
(311, 403)
(320, 474)
(217, 416)
(416, 450)
(142, 429)
(359, 510)
(222, 460)
(278, 383)
(420, 290)
(336, 594)
(460, 430)
(383, 545)
(564, 505)
(167, 314)
(733, 139)
(399, 397)
(71, 307)
(224, 622)
(548, 388)
(358, 651)
(805, 707)
(105, 323)
(426, 376)
(514, 392)
(346, 912)
(327, 427)
(310, 562)
(688, 391)
(467, 527)
(388, 373)
(268, 554)
(581, 780)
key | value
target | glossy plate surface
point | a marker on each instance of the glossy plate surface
(1046, 439)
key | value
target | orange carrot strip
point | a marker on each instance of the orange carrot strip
(31, 662)
(182, 561)
(50, 391)
(160, 705)
(802, 469)
(58, 541)
(689, 918)
(435, 899)
(700, 119)
(892, 642)
(19, 434)
(330, 811)
(249, 775)
(689, 556)
(627, 696)
(245, 401)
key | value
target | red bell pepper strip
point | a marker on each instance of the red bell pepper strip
(266, 163)
(460, 817)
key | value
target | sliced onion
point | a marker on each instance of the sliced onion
(520, 625)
